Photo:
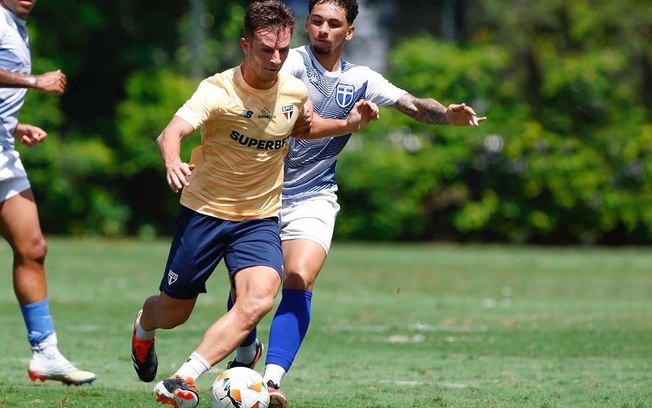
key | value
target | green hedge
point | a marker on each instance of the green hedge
(574, 167)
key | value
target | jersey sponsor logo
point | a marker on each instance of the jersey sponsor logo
(265, 114)
(287, 110)
(259, 144)
(344, 95)
(247, 113)
(172, 277)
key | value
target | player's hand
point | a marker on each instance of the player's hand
(362, 113)
(178, 174)
(51, 82)
(302, 125)
(29, 135)
(462, 115)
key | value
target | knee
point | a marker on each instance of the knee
(299, 279)
(255, 308)
(33, 251)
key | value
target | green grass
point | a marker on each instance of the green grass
(393, 326)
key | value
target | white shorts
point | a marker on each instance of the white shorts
(13, 178)
(311, 218)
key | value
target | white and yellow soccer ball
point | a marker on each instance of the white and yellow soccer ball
(239, 387)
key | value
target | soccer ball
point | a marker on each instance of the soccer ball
(239, 387)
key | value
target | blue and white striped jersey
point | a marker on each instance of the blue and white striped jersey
(310, 164)
(14, 57)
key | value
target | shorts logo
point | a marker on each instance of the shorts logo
(287, 110)
(172, 277)
(344, 95)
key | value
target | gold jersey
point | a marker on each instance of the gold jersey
(238, 171)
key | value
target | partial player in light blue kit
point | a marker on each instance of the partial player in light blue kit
(309, 206)
(19, 223)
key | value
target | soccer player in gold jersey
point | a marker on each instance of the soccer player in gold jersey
(231, 197)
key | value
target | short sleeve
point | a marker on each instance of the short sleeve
(207, 99)
(3, 23)
(294, 64)
(380, 91)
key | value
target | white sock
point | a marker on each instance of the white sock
(50, 341)
(275, 373)
(246, 354)
(195, 366)
(144, 334)
(47, 351)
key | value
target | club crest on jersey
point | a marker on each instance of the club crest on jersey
(344, 95)
(287, 110)
(172, 277)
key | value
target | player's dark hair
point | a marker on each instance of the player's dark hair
(267, 14)
(350, 6)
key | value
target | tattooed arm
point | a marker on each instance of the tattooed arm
(428, 110)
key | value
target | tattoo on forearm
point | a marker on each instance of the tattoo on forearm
(424, 110)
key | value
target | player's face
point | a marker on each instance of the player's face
(265, 55)
(328, 29)
(21, 8)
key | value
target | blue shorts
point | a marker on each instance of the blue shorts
(201, 241)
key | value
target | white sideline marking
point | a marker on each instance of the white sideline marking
(418, 326)
(420, 383)
(402, 339)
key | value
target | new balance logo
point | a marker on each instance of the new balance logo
(172, 277)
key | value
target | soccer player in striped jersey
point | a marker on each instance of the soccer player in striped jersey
(309, 188)
(19, 223)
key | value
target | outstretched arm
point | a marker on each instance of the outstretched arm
(169, 145)
(428, 110)
(312, 126)
(49, 82)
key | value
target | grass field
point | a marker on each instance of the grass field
(393, 326)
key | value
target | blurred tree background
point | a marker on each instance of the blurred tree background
(565, 157)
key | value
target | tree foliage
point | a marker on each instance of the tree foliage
(564, 157)
(566, 153)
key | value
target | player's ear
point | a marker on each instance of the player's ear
(349, 33)
(244, 44)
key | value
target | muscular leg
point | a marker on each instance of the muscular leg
(164, 312)
(255, 288)
(19, 225)
(303, 260)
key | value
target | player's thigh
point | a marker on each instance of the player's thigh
(197, 248)
(19, 223)
(254, 259)
(255, 243)
(303, 260)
